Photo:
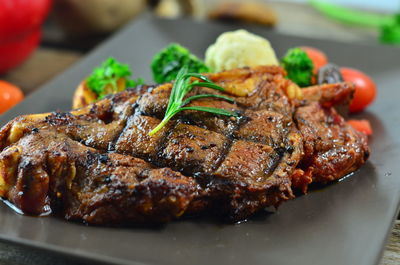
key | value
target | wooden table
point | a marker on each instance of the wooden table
(48, 61)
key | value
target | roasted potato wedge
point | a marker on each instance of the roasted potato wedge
(83, 96)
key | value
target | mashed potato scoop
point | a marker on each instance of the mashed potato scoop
(240, 48)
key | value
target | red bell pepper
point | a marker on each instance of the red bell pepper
(20, 32)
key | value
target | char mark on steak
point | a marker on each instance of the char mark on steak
(99, 165)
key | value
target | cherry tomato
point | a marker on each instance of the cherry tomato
(318, 58)
(10, 95)
(361, 125)
(365, 88)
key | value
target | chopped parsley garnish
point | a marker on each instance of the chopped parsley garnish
(106, 79)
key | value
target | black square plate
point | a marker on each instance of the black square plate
(344, 223)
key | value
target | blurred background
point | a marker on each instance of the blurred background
(41, 38)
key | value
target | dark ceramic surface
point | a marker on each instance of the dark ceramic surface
(344, 223)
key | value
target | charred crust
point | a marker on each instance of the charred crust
(201, 163)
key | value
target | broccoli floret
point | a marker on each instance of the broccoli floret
(298, 66)
(111, 77)
(167, 63)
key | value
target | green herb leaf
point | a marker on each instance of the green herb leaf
(211, 110)
(189, 99)
(179, 90)
(104, 79)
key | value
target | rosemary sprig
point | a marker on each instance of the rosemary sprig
(181, 87)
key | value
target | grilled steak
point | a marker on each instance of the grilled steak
(99, 165)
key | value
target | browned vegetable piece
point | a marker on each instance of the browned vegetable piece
(83, 96)
(252, 12)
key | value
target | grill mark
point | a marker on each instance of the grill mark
(159, 160)
(270, 169)
(111, 146)
(225, 152)
(228, 145)
(280, 151)
(285, 152)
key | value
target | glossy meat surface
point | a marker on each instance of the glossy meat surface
(99, 165)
